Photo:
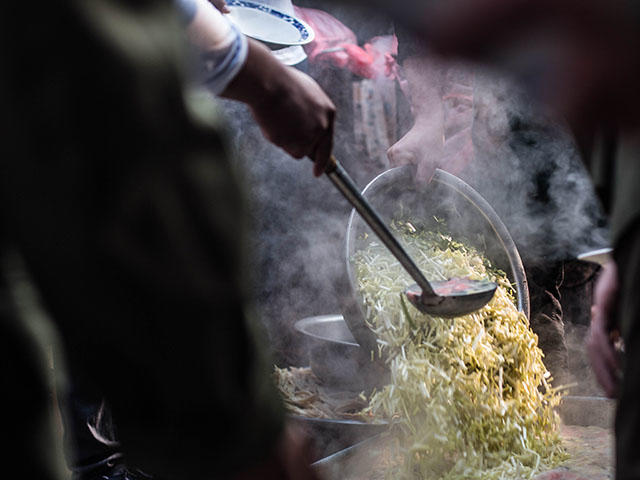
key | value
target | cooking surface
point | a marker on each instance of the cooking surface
(591, 454)
(587, 436)
(590, 450)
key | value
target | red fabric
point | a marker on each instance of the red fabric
(336, 44)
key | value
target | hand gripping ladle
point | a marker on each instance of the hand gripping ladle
(450, 298)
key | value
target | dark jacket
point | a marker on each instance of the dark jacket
(118, 193)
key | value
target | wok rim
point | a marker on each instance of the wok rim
(352, 310)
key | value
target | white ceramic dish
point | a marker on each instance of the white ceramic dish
(267, 24)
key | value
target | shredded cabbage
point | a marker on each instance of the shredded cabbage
(469, 397)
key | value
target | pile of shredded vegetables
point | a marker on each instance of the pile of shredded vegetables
(470, 397)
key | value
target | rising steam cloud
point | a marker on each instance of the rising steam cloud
(529, 171)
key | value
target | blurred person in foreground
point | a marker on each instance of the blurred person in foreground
(220, 51)
(580, 58)
(481, 127)
(122, 204)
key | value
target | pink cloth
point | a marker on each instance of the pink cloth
(336, 44)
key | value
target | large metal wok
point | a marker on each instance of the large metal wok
(334, 356)
(446, 197)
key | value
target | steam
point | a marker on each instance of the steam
(299, 224)
(527, 167)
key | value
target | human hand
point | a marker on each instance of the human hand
(290, 108)
(600, 346)
(298, 116)
(427, 150)
(577, 56)
(431, 143)
(220, 5)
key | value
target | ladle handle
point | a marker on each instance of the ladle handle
(347, 187)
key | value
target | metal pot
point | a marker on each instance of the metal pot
(447, 198)
(335, 357)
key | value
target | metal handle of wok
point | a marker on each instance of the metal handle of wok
(343, 182)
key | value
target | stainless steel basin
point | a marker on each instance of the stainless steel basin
(335, 357)
(446, 198)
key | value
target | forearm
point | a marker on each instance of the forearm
(291, 109)
(232, 65)
(289, 106)
(207, 28)
(441, 95)
(424, 90)
(261, 77)
(221, 47)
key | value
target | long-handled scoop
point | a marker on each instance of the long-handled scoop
(457, 296)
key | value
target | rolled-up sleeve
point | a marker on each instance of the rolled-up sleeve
(220, 48)
(217, 68)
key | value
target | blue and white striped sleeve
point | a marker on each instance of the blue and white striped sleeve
(219, 67)
(220, 47)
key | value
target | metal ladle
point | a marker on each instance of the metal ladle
(450, 298)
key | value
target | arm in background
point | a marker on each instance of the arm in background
(291, 109)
